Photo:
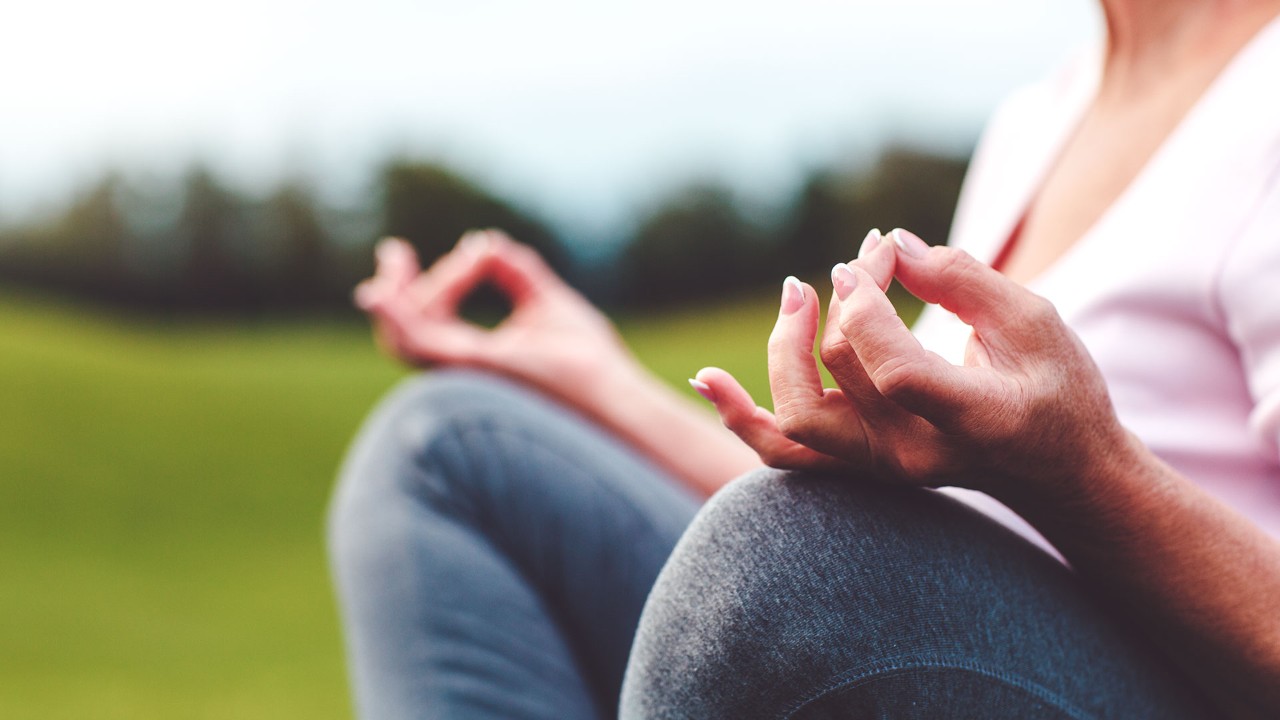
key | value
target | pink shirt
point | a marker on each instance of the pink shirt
(1176, 289)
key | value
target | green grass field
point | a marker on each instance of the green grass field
(162, 493)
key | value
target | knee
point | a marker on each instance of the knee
(712, 623)
(785, 576)
(412, 446)
(424, 406)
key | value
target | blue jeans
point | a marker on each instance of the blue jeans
(493, 553)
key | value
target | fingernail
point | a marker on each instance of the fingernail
(363, 296)
(386, 249)
(703, 389)
(473, 241)
(909, 243)
(792, 295)
(843, 280)
(870, 242)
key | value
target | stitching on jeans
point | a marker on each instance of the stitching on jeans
(891, 666)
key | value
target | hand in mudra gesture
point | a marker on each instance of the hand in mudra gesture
(553, 339)
(1027, 411)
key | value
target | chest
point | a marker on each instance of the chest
(1098, 163)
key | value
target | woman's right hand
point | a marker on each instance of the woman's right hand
(1028, 415)
(553, 340)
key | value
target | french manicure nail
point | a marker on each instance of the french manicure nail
(843, 280)
(473, 242)
(386, 249)
(703, 389)
(909, 243)
(363, 296)
(792, 295)
(870, 242)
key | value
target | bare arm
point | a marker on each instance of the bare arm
(554, 341)
(1204, 581)
(1028, 420)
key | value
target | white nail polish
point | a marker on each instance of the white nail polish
(474, 242)
(792, 295)
(915, 247)
(843, 280)
(870, 242)
(703, 389)
(897, 240)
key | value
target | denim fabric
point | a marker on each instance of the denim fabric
(796, 596)
(492, 553)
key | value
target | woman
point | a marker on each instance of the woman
(493, 550)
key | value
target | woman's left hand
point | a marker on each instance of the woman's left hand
(1028, 405)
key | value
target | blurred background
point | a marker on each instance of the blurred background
(188, 194)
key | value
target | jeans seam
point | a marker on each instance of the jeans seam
(890, 666)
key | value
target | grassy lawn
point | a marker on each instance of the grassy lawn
(162, 491)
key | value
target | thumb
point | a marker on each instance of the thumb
(517, 269)
(877, 257)
(997, 308)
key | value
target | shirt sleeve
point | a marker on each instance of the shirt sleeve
(1249, 293)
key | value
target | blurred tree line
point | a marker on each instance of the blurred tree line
(201, 246)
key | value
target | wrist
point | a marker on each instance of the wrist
(1074, 470)
(1117, 478)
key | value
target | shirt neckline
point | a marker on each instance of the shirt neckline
(1219, 101)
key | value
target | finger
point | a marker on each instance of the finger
(370, 293)
(878, 258)
(395, 265)
(794, 379)
(823, 420)
(980, 296)
(518, 270)
(425, 341)
(757, 427)
(840, 359)
(396, 262)
(443, 287)
(900, 368)
(387, 334)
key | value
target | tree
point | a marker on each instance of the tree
(299, 274)
(694, 246)
(213, 226)
(432, 207)
(913, 189)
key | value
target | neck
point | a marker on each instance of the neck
(1151, 39)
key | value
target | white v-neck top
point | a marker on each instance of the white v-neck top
(1175, 290)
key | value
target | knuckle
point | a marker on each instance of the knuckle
(953, 262)
(833, 352)
(958, 271)
(789, 424)
(735, 421)
(899, 379)
(1042, 312)
(794, 424)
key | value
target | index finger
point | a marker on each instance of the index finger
(444, 285)
(901, 368)
(794, 379)
(979, 295)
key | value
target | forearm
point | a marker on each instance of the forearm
(1202, 580)
(670, 429)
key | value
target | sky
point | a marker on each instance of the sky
(581, 111)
